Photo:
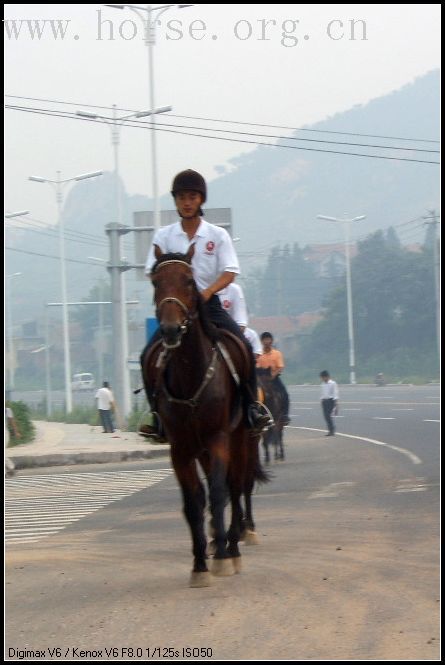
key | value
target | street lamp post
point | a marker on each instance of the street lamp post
(150, 40)
(11, 364)
(346, 226)
(58, 184)
(116, 123)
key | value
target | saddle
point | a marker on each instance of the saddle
(228, 347)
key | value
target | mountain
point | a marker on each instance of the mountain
(275, 195)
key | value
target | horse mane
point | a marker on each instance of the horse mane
(210, 330)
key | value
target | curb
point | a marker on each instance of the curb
(68, 459)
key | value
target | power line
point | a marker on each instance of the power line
(49, 256)
(230, 131)
(45, 229)
(157, 127)
(54, 235)
(237, 122)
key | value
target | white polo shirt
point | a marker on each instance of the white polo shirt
(214, 251)
(329, 390)
(252, 336)
(232, 300)
(104, 398)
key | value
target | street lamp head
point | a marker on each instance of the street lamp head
(357, 219)
(83, 176)
(116, 6)
(330, 219)
(87, 114)
(161, 109)
(36, 178)
(14, 274)
(21, 213)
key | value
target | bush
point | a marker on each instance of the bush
(87, 415)
(25, 426)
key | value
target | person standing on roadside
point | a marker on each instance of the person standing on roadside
(11, 429)
(329, 400)
(105, 404)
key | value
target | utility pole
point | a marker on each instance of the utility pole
(436, 259)
(116, 267)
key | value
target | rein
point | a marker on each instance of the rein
(193, 401)
(218, 350)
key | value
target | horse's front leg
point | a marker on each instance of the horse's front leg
(217, 479)
(193, 494)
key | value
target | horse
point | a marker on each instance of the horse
(191, 375)
(273, 399)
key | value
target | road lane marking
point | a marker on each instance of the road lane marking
(330, 491)
(414, 459)
(431, 421)
(42, 505)
(402, 409)
(411, 485)
(380, 418)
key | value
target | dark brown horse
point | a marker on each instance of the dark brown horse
(196, 395)
(273, 399)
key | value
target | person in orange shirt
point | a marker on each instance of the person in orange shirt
(274, 359)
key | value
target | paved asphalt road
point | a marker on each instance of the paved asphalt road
(406, 416)
(347, 566)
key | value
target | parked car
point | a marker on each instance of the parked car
(83, 381)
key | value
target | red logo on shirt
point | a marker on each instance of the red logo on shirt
(210, 246)
(226, 304)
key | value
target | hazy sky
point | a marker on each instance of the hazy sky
(215, 61)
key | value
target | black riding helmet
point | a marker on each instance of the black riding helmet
(190, 180)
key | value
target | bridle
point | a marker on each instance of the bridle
(189, 316)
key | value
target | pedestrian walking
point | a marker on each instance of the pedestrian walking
(105, 405)
(329, 400)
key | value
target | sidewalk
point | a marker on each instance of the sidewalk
(62, 444)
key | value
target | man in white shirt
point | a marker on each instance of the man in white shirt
(214, 264)
(11, 429)
(105, 404)
(329, 400)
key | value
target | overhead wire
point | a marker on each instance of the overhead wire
(237, 122)
(163, 127)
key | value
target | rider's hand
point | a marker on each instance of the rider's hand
(206, 294)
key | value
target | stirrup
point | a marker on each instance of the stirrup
(153, 431)
(263, 420)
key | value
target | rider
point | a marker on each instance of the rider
(214, 266)
(274, 359)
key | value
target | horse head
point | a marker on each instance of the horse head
(175, 295)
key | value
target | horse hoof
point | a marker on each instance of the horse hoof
(237, 565)
(221, 567)
(211, 548)
(251, 538)
(199, 580)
